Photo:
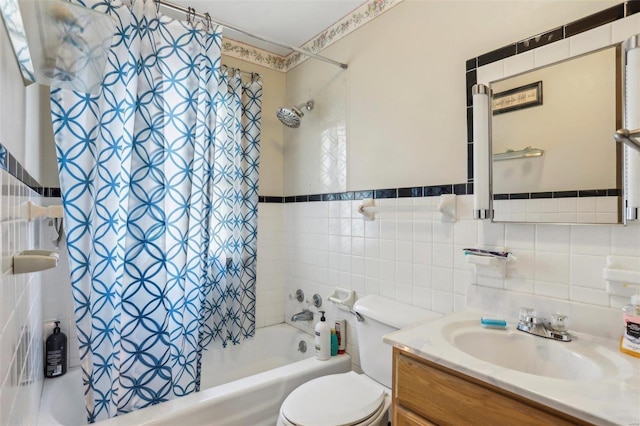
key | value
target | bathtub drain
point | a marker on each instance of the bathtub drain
(302, 346)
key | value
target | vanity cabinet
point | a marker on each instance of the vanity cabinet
(426, 393)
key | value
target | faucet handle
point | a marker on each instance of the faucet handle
(559, 322)
(527, 315)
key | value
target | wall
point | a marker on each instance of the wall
(404, 90)
(21, 373)
(271, 143)
(406, 127)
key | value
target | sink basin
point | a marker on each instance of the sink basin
(530, 354)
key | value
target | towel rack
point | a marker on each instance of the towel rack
(446, 207)
(511, 154)
(35, 211)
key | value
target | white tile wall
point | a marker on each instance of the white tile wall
(21, 371)
(419, 260)
(57, 301)
(269, 284)
(573, 210)
(410, 257)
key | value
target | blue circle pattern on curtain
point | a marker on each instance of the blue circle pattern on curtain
(153, 242)
(230, 308)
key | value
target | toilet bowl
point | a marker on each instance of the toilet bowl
(339, 399)
(351, 399)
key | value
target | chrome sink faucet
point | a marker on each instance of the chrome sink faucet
(556, 329)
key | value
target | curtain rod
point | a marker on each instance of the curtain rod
(206, 17)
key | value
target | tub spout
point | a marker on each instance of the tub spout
(305, 315)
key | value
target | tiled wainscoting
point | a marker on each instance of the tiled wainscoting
(57, 301)
(270, 270)
(417, 259)
(563, 210)
(21, 372)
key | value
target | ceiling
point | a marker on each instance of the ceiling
(292, 22)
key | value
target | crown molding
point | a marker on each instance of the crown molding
(345, 26)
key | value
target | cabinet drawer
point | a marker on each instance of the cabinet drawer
(407, 418)
(446, 397)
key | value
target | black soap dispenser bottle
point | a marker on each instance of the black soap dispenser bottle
(56, 353)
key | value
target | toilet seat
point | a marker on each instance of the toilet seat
(346, 399)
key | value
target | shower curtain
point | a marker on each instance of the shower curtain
(159, 187)
(230, 309)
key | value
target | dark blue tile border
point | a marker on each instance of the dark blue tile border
(540, 40)
(410, 192)
(496, 55)
(631, 7)
(52, 192)
(437, 190)
(461, 189)
(535, 195)
(597, 19)
(361, 195)
(269, 199)
(386, 193)
(559, 194)
(11, 165)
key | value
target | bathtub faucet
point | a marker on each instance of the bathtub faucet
(305, 315)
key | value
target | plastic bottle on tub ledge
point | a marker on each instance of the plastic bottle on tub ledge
(334, 342)
(56, 353)
(341, 332)
(323, 339)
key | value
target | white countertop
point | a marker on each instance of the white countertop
(613, 399)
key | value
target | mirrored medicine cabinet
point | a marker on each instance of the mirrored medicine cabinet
(553, 157)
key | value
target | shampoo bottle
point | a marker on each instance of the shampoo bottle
(341, 331)
(323, 339)
(630, 340)
(56, 353)
(334, 342)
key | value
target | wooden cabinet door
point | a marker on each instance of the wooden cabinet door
(446, 397)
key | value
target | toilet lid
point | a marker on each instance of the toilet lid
(338, 399)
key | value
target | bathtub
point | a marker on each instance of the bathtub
(253, 382)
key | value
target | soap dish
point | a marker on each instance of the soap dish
(34, 261)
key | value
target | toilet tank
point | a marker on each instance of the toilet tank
(383, 316)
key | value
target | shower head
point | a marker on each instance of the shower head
(291, 117)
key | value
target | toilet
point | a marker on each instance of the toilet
(351, 398)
